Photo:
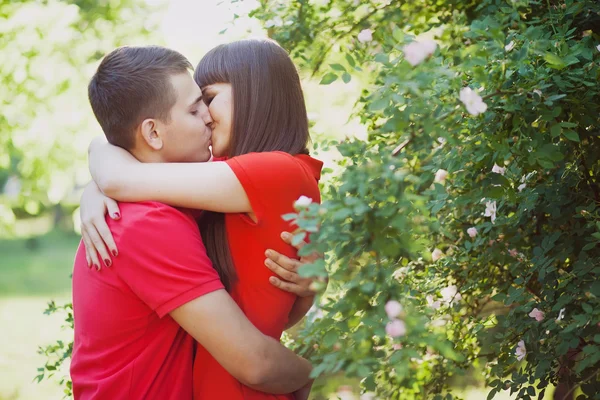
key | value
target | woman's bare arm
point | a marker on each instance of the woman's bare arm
(209, 186)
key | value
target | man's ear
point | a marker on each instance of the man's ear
(150, 131)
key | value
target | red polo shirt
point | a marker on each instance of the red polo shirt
(272, 181)
(126, 345)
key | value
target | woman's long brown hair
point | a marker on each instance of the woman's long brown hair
(269, 114)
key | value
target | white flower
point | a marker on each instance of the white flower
(366, 35)
(450, 294)
(598, 47)
(436, 254)
(435, 304)
(538, 92)
(521, 351)
(472, 101)
(499, 170)
(396, 328)
(276, 21)
(521, 187)
(393, 309)
(490, 210)
(561, 314)
(416, 52)
(510, 46)
(302, 202)
(314, 313)
(440, 176)
(472, 231)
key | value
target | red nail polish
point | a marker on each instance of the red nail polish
(115, 253)
(97, 267)
(116, 215)
(107, 262)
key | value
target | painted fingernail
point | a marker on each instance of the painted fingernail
(97, 267)
(115, 253)
(107, 262)
(116, 215)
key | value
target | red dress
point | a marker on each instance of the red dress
(272, 181)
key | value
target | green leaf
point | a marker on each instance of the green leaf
(554, 61)
(346, 77)
(289, 217)
(328, 78)
(350, 60)
(338, 67)
(556, 130)
(571, 135)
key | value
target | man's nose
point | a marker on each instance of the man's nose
(205, 114)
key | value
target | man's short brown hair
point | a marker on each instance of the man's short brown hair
(133, 84)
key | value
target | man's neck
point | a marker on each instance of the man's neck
(147, 156)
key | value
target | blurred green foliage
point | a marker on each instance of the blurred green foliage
(49, 51)
(476, 209)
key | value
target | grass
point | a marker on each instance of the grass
(32, 272)
(38, 266)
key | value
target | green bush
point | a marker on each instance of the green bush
(474, 201)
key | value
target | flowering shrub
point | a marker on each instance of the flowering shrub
(463, 234)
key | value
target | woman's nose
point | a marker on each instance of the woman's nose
(205, 114)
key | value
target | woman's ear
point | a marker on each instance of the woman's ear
(150, 133)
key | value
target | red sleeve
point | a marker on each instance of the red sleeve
(273, 181)
(163, 260)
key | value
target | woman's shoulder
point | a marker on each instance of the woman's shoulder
(279, 163)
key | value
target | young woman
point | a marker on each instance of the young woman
(260, 128)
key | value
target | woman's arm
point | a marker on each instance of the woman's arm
(209, 186)
(290, 281)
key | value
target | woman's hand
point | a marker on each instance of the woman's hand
(108, 163)
(287, 269)
(95, 233)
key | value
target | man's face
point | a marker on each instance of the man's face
(186, 138)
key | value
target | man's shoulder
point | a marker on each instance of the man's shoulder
(147, 213)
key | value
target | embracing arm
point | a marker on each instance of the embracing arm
(209, 186)
(256, 360)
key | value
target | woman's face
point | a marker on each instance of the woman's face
(219, 100)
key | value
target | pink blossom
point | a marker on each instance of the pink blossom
(472, 232)
(513, 253)
(490, 210)
(436, 254)
(472, 101)
(417, 51)
(393, 309)
(537, 314)
(521, 351)
(440, 176)
(366, 35)
(433, 304)
(450, 294)
(396, 328)
(499, 170)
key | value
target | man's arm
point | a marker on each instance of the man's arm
(256, 360)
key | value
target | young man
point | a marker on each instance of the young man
(135, 323)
